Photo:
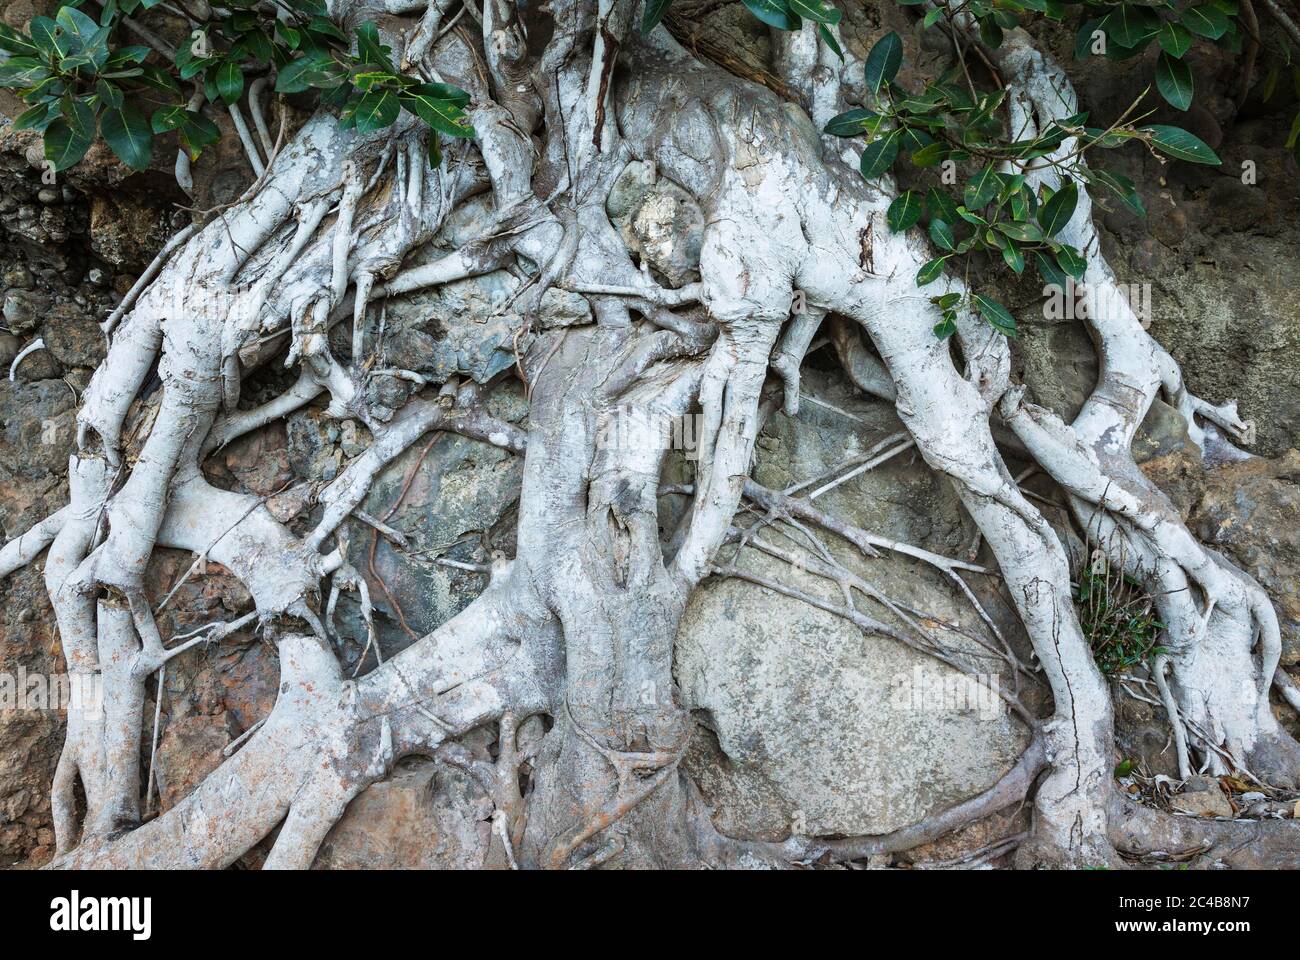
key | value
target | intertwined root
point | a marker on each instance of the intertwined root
(580, 626)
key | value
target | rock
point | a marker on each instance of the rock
(469, 327)
(1250, 512)
(1202, 797)
(127, 232)
(806, 723)
(73, 338)
(659, 221)
(23, 310)
(425, 816)
(188, 751)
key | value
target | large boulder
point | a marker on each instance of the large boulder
(809, 724)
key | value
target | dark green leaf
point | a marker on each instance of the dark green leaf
(1174, 81)
(1174, 38)
(45, 35)
(1206, 21)
(905, 211)
(1181, 145)
(883, 61)
(982, 189)
(370, 48)
(879, 155)
(1024, 232)
(1071, 261)
(78, 29)
(38, 117)
(997, 316)
(1058, 210)
(62, 148)
(1051, 273)
(127, 133)
(654, 12)
(941, 206)
(79, 117)
(829, 39)
(230, 82)
(930, 270)
(1130, 25)
(942, 236)
(14, 42)
(378, 109)
(852, 122)
(775, 13)
(818, 11)
(442, 115)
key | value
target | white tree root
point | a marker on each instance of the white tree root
(580, 625)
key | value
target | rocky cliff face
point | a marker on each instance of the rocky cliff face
(799, 726)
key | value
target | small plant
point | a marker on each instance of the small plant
(79, 81)
(1118, 618)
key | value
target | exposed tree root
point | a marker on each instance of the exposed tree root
(580, 626)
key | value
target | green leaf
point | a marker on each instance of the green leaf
(79, 116)
(1122, 187)
(196, 131)
(775, 13)
(990, 32)
(1083, 39)
(1071, 261)
(654, 12)
(377, 109)
(1174, 38)
(1174, 81)
(22, 72)
(14, 42)
(1057, 211)
(38, 117)
(128, 134)
(443, 115)
(1051, 273)
(108, 94)
(1024, 232)
(1012, 255)
(1130, 25)
(1181, 145)
(905, 211)
(326, 27)
(1206, 21)
(318, 69)
(442, 91)
(62, 148)
(941, 206)
(932, 18)
(370, 48)
(45, 35)
(829, 39)
(124, 56)
(883, 61)
(1123, 768)
(930, 154)
(947, 326)
(942, 236)
(997, 316)
(78, 29)
(230, 82)
(852, 122)
(879, 155)
(931, 270)
(818, 11)
(159, 79)
(982, 189)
